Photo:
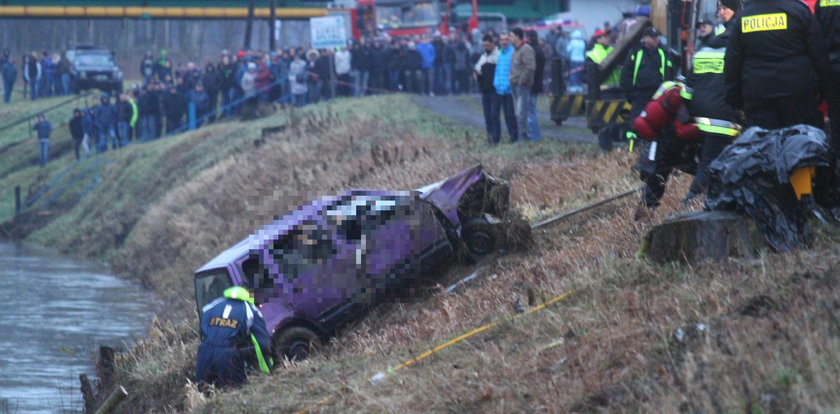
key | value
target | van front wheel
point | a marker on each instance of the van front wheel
(296, 343)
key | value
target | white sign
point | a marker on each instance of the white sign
(328, 32)
(278, 26)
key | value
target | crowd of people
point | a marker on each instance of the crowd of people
(44, 74)
(509, 70)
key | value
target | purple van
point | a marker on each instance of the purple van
(326, 263)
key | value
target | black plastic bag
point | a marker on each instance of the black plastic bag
(752, 175)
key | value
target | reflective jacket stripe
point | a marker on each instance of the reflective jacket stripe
(250, 316)
(718, 130)
(662, 63)
(717, 126)
(260, 358)
(210, 305)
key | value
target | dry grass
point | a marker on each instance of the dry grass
(768, 341)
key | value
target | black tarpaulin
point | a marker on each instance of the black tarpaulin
(752, 176)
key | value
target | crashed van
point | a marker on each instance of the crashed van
(326, 263)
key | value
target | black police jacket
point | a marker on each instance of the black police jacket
(645, 69)
(706, 78)
(828, 14)
(775, 50)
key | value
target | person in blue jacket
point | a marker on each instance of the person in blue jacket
(105, 117)
(427, 52)
(44, 129)
(232, 330)
(501, 81)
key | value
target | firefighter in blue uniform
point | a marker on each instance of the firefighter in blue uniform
(233, 333)
(776, 65)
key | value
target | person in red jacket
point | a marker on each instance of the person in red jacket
(263, 80)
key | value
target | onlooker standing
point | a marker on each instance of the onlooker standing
(360, 61)
(147, 68)
(212, 85)
(174, 107)
(48, 68)
(485, 71)
(163, 68)
(461, 66)
(77, 131)
(148, 105)
(106, 121)
(343, 66)
(89, 130)
(248, 84)
(448, 65)
(9, 77)
(199, 99)
(576, 50)
(298, 79)
(412, 62)
(378, 66)
(322, 69)
(523, 65)
(64, 68)
(427, 52)
(263, 80)
(44, 129)
(227, 72)
(32, 76)
(124, 114)
(536, 88)
(501, 81)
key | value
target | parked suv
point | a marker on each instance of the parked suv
(326, 263)
(94, 68)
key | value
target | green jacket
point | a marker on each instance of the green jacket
(597, 55)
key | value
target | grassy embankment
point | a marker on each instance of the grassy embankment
(746, 335)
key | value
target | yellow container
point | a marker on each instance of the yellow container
(801, 181)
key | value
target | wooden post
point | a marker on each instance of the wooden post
(271, 22)
(113, 401)
(249, 24)
(17, 199)
(87, 394)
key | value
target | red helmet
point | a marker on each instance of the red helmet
(598, 33)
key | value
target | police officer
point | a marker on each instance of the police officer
(232, 331)
(719, 122)
(828, 14)
(645, 68)
(776, 64)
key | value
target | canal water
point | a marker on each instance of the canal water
(55, 312)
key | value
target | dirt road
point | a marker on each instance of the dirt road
(467, 109)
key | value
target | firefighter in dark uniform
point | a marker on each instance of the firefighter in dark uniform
(233, 334)
(719, 122)
(828, 14)
(645, 68)
(776, 64)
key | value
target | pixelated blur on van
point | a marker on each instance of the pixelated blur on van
(326, 263)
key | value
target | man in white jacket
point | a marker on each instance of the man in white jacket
(343, 65)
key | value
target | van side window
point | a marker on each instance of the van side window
(304, 247)
(351, 228)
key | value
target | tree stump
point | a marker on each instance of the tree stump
(697, 236)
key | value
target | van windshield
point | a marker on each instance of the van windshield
(209, 286)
